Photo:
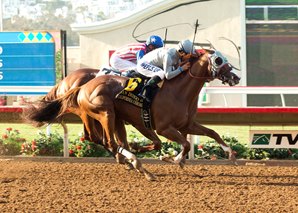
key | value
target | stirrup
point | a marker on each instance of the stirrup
(143, 96)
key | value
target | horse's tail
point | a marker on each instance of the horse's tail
(42, 113)
(50, 111)
(69, 100)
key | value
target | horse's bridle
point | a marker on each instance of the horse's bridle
(216, 62)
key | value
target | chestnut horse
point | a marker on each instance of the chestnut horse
(75, 79)
(173, 109)
(92, 131)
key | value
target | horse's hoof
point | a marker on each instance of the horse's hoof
(167, 159)
(150, 177)
(181, 164)
(128, 166)
(232, 157)
(120, 158)
(137, 165)
(234, 161)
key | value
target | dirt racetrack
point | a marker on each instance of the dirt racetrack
(52, 186)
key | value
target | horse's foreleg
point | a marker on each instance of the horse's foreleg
(174, 135)
(150, 134)
(197, 129)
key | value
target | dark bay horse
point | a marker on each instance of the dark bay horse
(173, 109)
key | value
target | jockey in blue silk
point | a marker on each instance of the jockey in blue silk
(153, 42)
(163, 63)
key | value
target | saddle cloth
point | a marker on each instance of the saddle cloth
(131, 91)
(130, 95)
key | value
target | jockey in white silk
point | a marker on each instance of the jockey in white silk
(163, 63)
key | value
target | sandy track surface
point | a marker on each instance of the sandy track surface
(41, 186)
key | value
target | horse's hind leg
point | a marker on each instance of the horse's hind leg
(120, 133)
(92, 129)
(107, 120)
(197, 129)
(88, 123)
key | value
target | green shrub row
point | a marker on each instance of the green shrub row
(211, 150)
(52, 145)
(47, 145)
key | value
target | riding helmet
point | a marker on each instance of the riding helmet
(186, 46)
(155, 41)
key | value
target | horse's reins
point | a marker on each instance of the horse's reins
(211, 69)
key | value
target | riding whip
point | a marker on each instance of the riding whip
(194, 37)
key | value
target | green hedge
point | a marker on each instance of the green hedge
(52, 145)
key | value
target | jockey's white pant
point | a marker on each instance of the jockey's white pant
(150, 70)
(121, 64)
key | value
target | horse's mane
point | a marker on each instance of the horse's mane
(192, 58)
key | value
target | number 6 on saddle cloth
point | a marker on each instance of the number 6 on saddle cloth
(130, 95)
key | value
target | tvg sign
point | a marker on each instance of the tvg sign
(273, 139)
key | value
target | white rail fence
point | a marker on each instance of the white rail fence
(224, 90)
(250, 90)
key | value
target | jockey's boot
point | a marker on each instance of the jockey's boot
(130, 73)
(151, 84)
(106, 70)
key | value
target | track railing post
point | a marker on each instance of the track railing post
(65, 140)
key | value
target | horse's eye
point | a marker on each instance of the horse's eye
(218, 61)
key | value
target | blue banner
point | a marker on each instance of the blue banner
(27, 59)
